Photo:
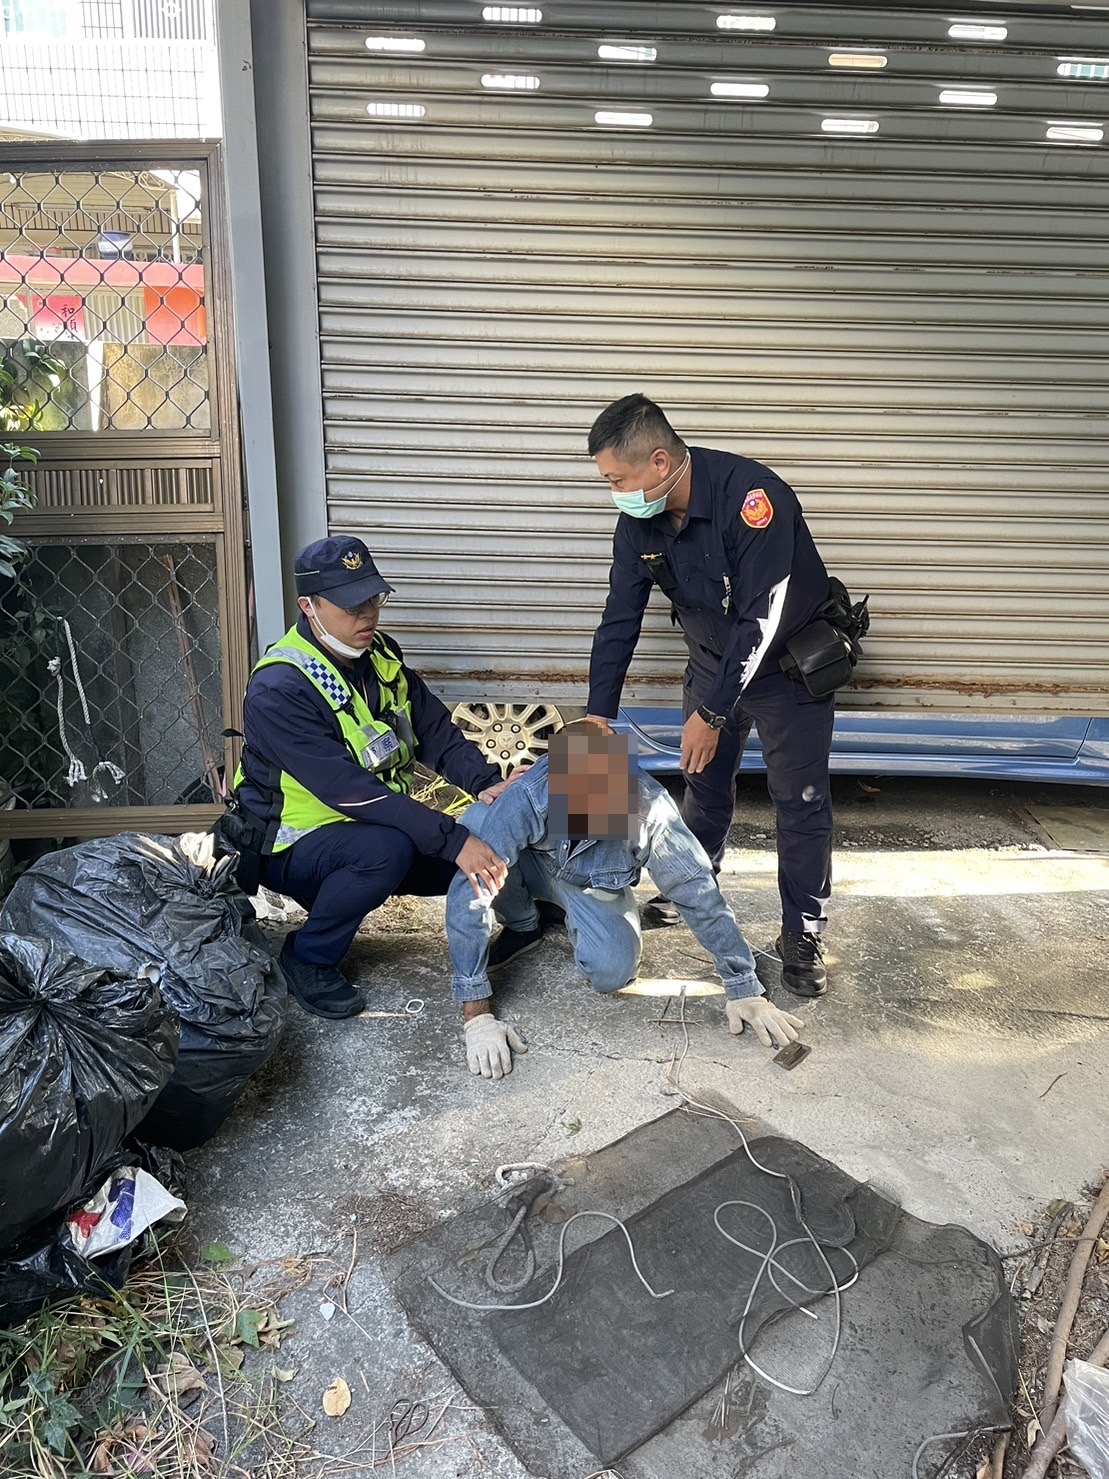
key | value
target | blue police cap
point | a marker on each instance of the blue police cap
(340, 570)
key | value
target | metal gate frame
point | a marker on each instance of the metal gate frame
(218, 449)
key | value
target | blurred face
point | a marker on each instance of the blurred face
(354, 625)
(592, 786)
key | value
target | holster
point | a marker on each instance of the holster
(241, 832)
(824, 654)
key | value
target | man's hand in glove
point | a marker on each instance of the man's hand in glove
(490, 1045)
(773, 1027)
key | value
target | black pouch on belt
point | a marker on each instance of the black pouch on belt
(243, 833)
(821, 656)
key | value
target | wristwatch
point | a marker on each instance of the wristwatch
(714, 721)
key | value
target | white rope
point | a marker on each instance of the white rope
(77, 770)
(770, 1266)
(99, 791)
(835, 1288)
(76, 672)
(553, 1290)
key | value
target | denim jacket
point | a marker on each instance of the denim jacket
(676, 861)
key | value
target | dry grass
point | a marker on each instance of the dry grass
(180, 1375)
(149, 1380)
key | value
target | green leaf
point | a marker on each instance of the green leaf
(60, 1417)
(41, 1384)
(216, 1253)
(247, 1324)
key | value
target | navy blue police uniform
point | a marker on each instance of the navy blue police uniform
(743, 576)
(341, 872)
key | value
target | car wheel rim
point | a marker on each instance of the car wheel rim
(508, 734)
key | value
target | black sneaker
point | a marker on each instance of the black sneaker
(510, 944)
(660, 912)
(802, 957)
(551, 916)
(320, 989)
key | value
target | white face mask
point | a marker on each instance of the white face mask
(344, 649)
(639, 505)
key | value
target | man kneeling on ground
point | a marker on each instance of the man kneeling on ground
(576, 831)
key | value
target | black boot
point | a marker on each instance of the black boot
(803, 970)
(551, 916)
(510, 944)
(320, 989)
(660, 912)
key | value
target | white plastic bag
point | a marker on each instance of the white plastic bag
(129, 1202)
(1086, 1409)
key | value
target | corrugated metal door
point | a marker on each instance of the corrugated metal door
(865, 246)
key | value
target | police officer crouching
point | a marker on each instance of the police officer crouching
(333, 721)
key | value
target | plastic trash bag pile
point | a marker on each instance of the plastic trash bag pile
(137, 1000)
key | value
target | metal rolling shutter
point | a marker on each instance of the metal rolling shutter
(907, 323)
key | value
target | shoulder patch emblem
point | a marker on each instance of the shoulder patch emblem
(757, 510)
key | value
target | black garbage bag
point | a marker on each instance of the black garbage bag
(43, 1267)
(84, 1053)
(169, 902)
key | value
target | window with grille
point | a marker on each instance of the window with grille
(172, 20)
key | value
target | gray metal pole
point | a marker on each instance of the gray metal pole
(240, 152)
(289, 239)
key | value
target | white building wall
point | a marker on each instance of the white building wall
(159, 79)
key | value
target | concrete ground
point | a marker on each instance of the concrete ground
(960, 1063)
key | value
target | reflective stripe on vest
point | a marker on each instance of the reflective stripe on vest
(384, 745)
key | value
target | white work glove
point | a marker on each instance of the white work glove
(773, 1027)
(490, 1045)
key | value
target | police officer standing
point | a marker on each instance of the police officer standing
(334, 720)
(726, 542)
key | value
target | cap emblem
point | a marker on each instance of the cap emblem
(353, 561)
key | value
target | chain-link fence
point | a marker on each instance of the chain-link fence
(110, 682)
(107, 267)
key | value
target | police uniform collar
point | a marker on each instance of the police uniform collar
(700, 490)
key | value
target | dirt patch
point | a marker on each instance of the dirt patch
(385, 1220)
(401, 916)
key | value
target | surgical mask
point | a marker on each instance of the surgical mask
(344, 649)
(639, 506)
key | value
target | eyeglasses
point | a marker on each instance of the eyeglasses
(375, 603)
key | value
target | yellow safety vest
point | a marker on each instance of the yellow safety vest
(385, 745)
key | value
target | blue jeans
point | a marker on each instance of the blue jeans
(593, 883)
(603, 923)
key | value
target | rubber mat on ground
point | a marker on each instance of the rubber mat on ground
(606, 1367)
